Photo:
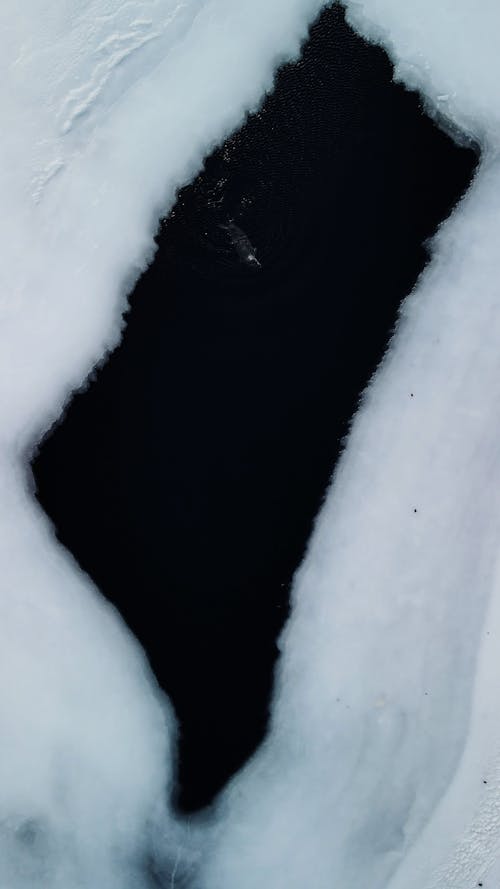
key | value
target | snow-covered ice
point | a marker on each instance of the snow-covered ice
(382, 767)
(107, 107)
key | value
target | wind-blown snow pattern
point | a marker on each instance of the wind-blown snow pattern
(382, 765)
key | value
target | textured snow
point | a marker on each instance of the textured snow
(385, 721)
(107, 107)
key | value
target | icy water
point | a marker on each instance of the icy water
(185, 480)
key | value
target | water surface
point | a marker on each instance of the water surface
(185, 480)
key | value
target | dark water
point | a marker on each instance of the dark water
(186, 479)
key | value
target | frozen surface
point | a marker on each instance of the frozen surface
(107, 107)
(385, 721)
(382, 768)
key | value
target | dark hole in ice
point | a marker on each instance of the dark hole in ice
(186, 479)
